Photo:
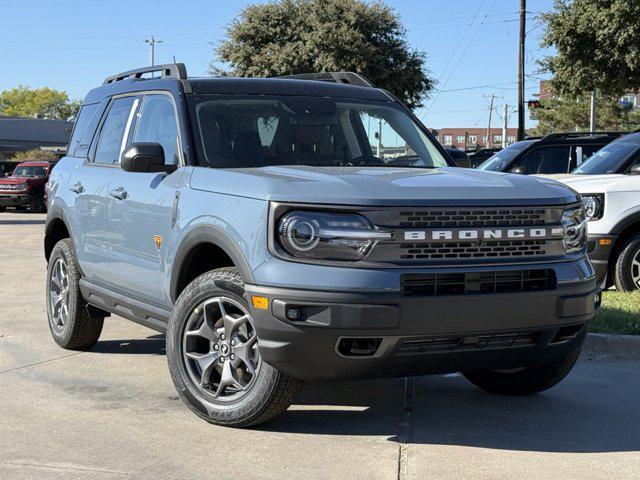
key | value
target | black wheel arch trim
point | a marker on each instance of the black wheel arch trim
(625, 223)
(55, 213)
(213, 235)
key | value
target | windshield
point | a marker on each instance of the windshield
(499, 161)
(607, 159)
(259, 131)
(26, 171)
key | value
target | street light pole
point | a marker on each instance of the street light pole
(523, 23)
(152, 49)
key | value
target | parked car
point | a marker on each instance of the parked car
(620, 156)
(613, 210)
(478, 156)
(269, 232)
(25, 187)
(459, 157)
(555, 153)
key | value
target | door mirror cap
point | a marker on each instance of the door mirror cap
(520, 170)
(635, 170)
(144, 157)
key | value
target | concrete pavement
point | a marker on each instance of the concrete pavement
(112, 412)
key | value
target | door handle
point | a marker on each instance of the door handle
(77, 188)
(120, 193)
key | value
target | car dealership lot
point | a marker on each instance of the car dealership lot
(113, 413)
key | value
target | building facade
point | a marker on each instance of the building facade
(19, 134)
(474, 138)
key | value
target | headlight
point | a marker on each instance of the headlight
(574, 222)
(327, 236)
(593, 205)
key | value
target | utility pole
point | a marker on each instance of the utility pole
(505, 124)
(152, 49)
(523, 23)
(489, 124)
(593, 118)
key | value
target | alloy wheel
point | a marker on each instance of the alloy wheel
(59, 294)
(220, 349)
(635, 270)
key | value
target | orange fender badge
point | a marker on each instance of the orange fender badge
(158, 240)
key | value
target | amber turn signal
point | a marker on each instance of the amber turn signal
(260, 302)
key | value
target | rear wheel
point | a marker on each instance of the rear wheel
(69, 321)
(215, 364)
(627, 268)
(526, 380)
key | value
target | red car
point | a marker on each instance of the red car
(25, 188)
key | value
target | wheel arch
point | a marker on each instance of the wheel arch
(623, 230)
(56, 229)
(202, 249)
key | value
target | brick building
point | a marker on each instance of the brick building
(474, 138)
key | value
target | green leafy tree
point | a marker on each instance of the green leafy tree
(298, 36)
(572, 114)
(596, 43)
(41, 102)
(34, 154)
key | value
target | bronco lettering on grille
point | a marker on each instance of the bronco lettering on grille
(481, 234)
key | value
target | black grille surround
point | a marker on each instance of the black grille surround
(477, 283)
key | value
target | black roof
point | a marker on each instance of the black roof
(631, 137)
(173, 77)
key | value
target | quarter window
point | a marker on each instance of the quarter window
(158, 124)
(109, 144)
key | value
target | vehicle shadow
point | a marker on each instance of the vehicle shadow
(592, 410)
(22, 222)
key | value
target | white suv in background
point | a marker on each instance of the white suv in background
(613, 209)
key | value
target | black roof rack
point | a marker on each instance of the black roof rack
(350, 78)
(169, 70)
(559, 136)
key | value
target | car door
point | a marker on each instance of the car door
(89, 184)
(140, 205)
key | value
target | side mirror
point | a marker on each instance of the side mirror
(519, 170)
(635, 170)
(144, 157)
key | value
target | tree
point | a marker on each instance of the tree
(571, 114)
(299, 36)
(34, 154)
(41, 102)
(596, 43)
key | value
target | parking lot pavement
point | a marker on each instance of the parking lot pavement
(112, 413)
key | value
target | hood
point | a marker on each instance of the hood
(13, 180)
(600, 183)
(382, 186)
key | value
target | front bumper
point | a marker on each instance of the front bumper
(419, 334)
(599, 250)
(14, 199)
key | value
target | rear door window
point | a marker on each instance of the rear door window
(114, 128)
(552, 159)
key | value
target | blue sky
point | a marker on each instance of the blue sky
(73, 45)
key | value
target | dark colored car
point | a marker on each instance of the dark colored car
(458, 156)
(620, 156)
(555, 153)
(481, 155)
(25, 187)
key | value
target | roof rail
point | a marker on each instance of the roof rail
(350, 78)
(169, 70)
(557, 136)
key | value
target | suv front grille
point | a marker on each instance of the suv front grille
(442, 218)
(472, 283)
(511, 248)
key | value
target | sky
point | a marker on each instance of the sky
(72, 45)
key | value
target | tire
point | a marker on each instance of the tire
(37, 204)
(526, 381)
(266, 393)
(627, 268)
(75, 330)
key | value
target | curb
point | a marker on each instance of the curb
(601, 346)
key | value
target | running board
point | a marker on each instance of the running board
(137, 311)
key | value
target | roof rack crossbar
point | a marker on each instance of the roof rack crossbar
(350, 78)
(168, 70)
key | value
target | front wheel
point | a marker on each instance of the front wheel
(627, 268)
(526, 380)
(213, 356)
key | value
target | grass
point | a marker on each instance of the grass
(620, 313)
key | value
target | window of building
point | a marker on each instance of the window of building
(447, 139)
(473, 139)
(511, 138)
(459, 138)
(484, 139)
(497, 139)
